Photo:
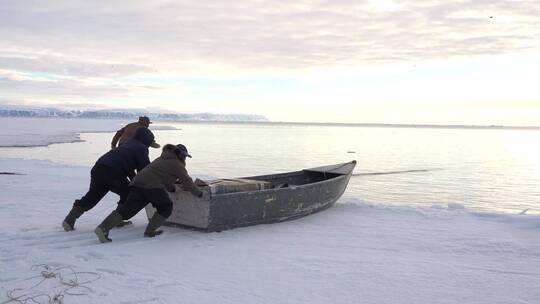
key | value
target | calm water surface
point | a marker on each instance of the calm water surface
(483, 169)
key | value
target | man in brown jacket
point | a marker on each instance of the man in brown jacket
(128, 132)
(150, 186)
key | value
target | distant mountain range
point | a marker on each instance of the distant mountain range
(11, 111)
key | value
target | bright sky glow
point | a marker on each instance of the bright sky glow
(390, 61)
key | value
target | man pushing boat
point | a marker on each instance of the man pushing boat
(151, 186)
(111, 172)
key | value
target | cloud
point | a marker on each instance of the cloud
(172, 35)
(143, 53)
(20, 86)
(58, 65)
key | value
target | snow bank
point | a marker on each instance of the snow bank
(35, 132)
(354, 252)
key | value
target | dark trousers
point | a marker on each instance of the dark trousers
(102, 180)
(139, 197)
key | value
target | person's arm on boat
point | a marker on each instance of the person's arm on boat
(187, 182)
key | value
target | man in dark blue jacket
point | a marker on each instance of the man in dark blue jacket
(110, 174)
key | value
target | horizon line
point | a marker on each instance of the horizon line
(358, 124)
(361, 124)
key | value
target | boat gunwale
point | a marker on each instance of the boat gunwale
(290, 187)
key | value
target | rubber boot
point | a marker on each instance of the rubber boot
(155, 222)
(74, 214)
(123, 223)
(102, 230)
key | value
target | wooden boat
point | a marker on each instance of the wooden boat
(291, 195)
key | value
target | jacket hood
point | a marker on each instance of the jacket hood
(145, 136)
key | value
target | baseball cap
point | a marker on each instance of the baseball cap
(144, 119)
(183, 150)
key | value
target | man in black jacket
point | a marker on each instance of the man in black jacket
(110, 174)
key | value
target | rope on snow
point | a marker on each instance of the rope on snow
(65, 279)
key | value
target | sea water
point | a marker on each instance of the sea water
(482, 169)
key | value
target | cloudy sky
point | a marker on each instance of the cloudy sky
(387, 61)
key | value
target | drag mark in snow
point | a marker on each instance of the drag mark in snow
(111, 271)
(505, 271)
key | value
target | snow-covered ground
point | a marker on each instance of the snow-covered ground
(34, 132)
(354, 252)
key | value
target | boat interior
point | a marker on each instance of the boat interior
(296, 178)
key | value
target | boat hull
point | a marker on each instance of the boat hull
(297, 194)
